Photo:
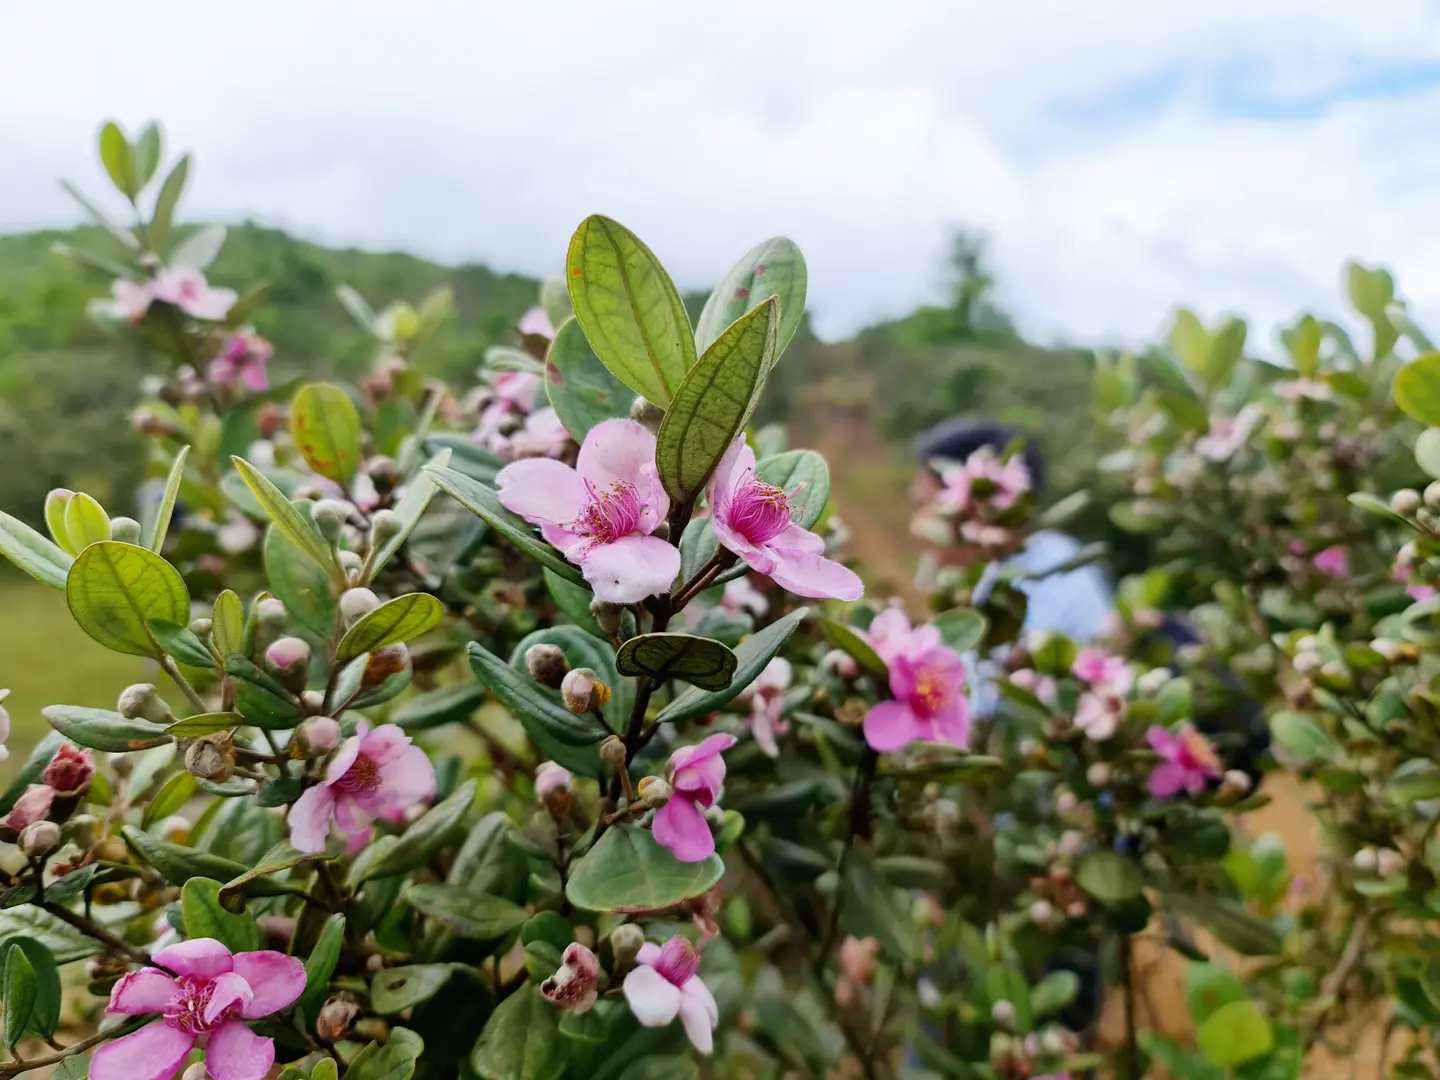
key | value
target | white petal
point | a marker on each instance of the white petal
(653, 998)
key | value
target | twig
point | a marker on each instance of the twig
(702, 579)
(15, 1068)
(100, 934)
(1330, 986)
(173, 670)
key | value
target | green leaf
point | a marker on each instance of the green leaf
(696, 660)
(298, 582)
(483, 502)
(32, 770)
(45, 1010)
(173, 794)
(629, 869)
(574, 600)
(402, 619)
(326, 428)
(113, 589)
(715, 402)
(205, 918)
(178, 864)
(396, 1060)
(1234, 1034)
(629, 308)
(393, 990)
(1377, 506)
(1207, 988)
(521, 1040)
(1400, 319)
(284, 514)
(86, 522)
(1231, 924)
(147, 155)
(1414, 781)
(22, 990)
(180, 642)
(772, 268)
(356, 305)
(259, 697)
(1226, 347)
(424, 840)
(115, 229)
(228, 623)
(435, 708)
(1417, 389)
(277, 860)
(199, 249)
(962, 629)
(520, 694)
(1427, 451)
(750, 659)
(38, 556)
(1054, 992)
(1110, 877)
(1189, 340)
(468, 913)
(581, 388)
(167, 501)
(1300, 736)
(118, 159)
(854, 646)
(320, 965)
(101, 729)
(170, 191)
(419, 490)
(802, 469)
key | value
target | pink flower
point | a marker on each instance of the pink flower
(1107, 674)
(767, 700)
(1042, 686)
(131, 299)
(753, 519)
(29, 807)
(740, 596)
(375, 774)
(516, 388)
(1002, 483)
(1297, 389)
(1334, 561)
(535, 321)
(574, 987)
(542, 435)
(242, 361)
(185, 287)
(1228, 434)
(696, 774)
(1190, 761)
(211, 995)
(928, 684)
(663, 985)
(1098, 716)
(891, 634)
(601, 513)
(857, 958)
(1418, 593)
(70, 770)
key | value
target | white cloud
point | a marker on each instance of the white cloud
(486, 131)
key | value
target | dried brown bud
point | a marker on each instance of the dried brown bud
(583, 691)
(212, 757)
(547, 664)
(335, 1017)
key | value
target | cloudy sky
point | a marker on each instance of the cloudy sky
(1124, 155)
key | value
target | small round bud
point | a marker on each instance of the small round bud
(1043, 914)
(1432, 495)
(553, 787)
(288, 659)
(1235, 784)
(1405, 501)
(125, 529)
(383, 473)
(38, 838)
(82, 829)
(351, 563)
(312, 702)
(385, 525)
(1066, 802)
(841, 663)
(1388, 862)
(195, 1072)
(330, 516)
(1003, 1014)
(583, 691)
(271, 614)
(1307, 661)
(175, 829)
(112, 849)
(1308, 643)
(335, 1017)
(607, 615)
(211, 758)
(654, 791)
(1072, 843)
(626, 941)
(1076, 909)
(647, 413)
(1366, 860)
(143, 702)
(202, 627)
(383, 663)
(1098, 774)
(547, 664)
(321, 733)
(612, 751)
(355, 604)
(1002, 1053)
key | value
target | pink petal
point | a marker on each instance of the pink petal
(888, 632)
(739, 460)
(649, 953)
(345, 757)
(535, 321)
(952, 724)
(681, 826)
(678, 961)
(701, 779)
(310, 819)
(619, 450)
(542, 491)
(891, 725)
(253, 375)
(710, 746)
(797, 539)
(1166, 780)
(353, 815)
(653, 999)
(409, 779)
(155, 1052)
(699, 1015)
(1162, 742)
(815, 576)
(762, 726)
(230, 989)
(199, 958)
(277, 980)
(210, 304)
(237, 1053)
(758, 559)
(631, 568)
(148, 990)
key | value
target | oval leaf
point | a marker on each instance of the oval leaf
(86, 522)
(395, 621)
(181, 643)
(320, 965)
(326, 428)
(284, 514)
(393, 990)
(435, 708)
(205, 918)
(772, 268)
(228, 623)
(1110, 877)
(1234, 1034)
(750, 659)
(520, 694)
(962, 629)
(45, 1010)
(581, 388)
(696, 660)
(173, 794)
(298, 582)
(166, 510)
(521, 1040)
(629, 308)
(1417, 389)
(419, 490)
(114, 589)
(848, 640)
(22, 989)
(629, 870)
(37, 555)
(100, 729)
(470, 914)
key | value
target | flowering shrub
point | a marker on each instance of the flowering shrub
(539, 729)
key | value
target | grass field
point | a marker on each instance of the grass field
(45, 659)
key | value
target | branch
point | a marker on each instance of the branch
(1330, 986)
(173, 670)
(100, 934)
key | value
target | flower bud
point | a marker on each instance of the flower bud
(626, 940)
(1308, 643)
(612, 751)
(356, 604)
(288, 659)
(1405, 501)
(1307, 661)
(1072, 843)
(383, 473)
(575, 987)
(1066, 802)
(1366, 860)
(175, 829)
(647, 414)
(583, 691)
(1098, 774)
(1043, 915)
(1003, 1015)
(607, 615)
(1002, 1053)
(38, 838)
(125, 529)
(385, 525)
(654, 791)
(841, 663)
(351, 563)
(271, 614)
(1235, 784)
(553, 787)
(70, 770)
(143, 702)
(196, 1071)
(330, 516)
(335, 1017)
(383, 663)
(1153, 681)
(211, 757)
(547, 664)
(321, 733)
(1389, 862)
(201, 627)
(1432, 494)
